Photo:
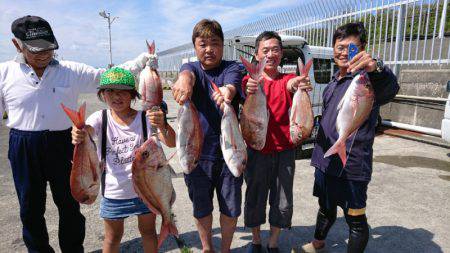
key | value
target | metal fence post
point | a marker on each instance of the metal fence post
(443, 18)
(399, 39)
(330, 34)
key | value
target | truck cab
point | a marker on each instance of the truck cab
(295, 47)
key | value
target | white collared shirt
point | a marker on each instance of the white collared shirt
(34, 104)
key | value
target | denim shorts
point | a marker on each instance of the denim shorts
(207, 177)
(115, 209)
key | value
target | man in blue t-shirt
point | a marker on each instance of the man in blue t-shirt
(211, 172)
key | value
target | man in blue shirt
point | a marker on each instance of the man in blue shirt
(211, 172)
(335, 184)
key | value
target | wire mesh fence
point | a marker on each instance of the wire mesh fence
(401, 32)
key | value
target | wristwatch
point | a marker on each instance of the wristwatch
(379, 65)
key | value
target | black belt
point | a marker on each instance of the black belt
(41, 132)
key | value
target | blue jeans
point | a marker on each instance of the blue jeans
(38, 157)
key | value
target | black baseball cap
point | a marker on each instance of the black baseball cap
(35, 33)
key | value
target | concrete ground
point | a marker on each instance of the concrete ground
(408, 204)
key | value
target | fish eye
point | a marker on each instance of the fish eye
(145, 154)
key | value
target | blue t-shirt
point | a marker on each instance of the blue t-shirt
(210, 115)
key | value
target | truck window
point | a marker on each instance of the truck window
(290, 60)
(322, 70)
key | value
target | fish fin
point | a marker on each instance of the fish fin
(171, 156)
(76, 117)
(151, 47)
(82, 112)
(338, 148)
(300, 65)
(305, 70)
(248, 66)
(166, 230)
(166, 163)
(214, 86)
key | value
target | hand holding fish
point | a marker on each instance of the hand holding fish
(299, 82)
(362, 61)
(183, 87)
(152, 61)
(79, 135)
(156, 119)
(252, 86)
(225, 94)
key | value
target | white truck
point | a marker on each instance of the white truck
(295, 47)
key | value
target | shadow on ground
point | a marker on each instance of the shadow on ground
(382, 239)
(414, 161)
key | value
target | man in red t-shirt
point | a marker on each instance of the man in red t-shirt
(272, 168)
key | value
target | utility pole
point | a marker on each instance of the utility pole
(107, 16)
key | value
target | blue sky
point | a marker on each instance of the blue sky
(83, 35)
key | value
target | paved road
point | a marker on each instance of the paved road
(408, 206)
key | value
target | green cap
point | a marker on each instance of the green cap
(117, 78)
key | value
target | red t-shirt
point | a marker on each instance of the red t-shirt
(279, 102)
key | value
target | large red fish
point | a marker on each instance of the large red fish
(189, 140)
(152, 181)
(254, 115)
(232, 144)
(301, 116)
(150, 86)
(86, 171)
(354, 109)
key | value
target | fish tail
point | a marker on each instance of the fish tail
(248, 66)
(214, 85)
(166, 230)
(307, 67)
(151, 47)
(338, 148)
(254, 71)
(77, 117)
(170, 158)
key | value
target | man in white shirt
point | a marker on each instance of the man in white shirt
(32, 87)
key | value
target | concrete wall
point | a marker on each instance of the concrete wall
(419, 81)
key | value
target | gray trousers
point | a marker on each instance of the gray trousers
(266, 173)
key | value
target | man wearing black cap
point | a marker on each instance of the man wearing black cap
(32, 87)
